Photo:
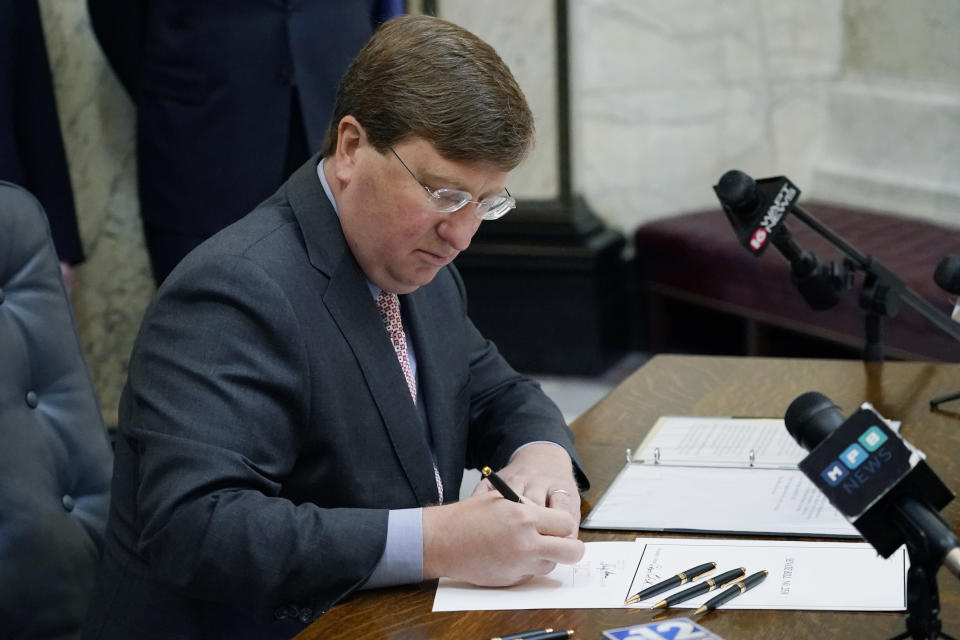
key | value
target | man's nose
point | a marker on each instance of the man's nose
(458, 228)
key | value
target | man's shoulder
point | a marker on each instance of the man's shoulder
(268, 239)
(261, 232)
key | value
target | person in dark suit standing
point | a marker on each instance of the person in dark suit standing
(231, 97)
(31, 145)
(307, 388)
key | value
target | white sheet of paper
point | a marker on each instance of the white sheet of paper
(837, 576)
(602, 577)
(828, 576)
(720, 441)
(727, 500)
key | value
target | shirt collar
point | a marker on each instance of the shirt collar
(326, 186)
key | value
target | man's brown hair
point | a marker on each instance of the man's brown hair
(426, 77)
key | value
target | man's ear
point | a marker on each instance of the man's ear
(351, 138)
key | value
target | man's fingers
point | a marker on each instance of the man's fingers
(561, 499)
(565, 501)
(482, 487)
(554, 522)
(562, 550)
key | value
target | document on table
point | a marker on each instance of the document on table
(828, 576)
(719, 441)
(730, 500)
(835, 576)
(600, 580)
(717, 474)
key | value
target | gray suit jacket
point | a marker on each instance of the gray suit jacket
(266, 429)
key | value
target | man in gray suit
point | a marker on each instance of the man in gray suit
(287, 434)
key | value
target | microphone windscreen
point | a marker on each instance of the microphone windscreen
(812, 417)
(738, 192)
(947, 275)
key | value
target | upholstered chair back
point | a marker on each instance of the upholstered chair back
(55, 457)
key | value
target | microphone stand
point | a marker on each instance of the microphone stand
(926, 555)
(882, 292)
(936, 402)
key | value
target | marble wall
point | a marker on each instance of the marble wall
(915, 40)
(113, 287)
(667, 96)
(892, 134)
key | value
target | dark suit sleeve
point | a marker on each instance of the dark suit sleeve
(507, 410)
(216, 400)
(119, 26)
(39, 144)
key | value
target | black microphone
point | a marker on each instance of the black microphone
(947, 275)
(757, 209)
(877, 480)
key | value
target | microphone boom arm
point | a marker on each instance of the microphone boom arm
(885, 280)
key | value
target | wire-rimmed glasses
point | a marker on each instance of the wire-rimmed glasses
(450, 200)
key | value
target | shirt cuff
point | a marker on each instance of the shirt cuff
(402, 559)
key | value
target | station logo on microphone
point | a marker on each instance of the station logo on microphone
(855, 455)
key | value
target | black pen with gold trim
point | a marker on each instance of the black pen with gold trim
(706, 586)
(500, 485)
(739, 587)
(673, 581)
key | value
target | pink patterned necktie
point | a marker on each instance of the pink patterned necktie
(389, 306)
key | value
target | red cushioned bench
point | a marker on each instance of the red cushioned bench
(696, 260)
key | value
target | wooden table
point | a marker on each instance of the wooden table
(696, 385)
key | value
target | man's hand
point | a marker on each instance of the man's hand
(66, 272)
(490, 541)
(543, 474)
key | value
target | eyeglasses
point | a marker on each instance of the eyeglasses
(450, 200)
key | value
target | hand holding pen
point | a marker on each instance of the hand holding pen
(739, 587)
(705, 586)
(557, 498)
(543, 474)
(673, 581)
(487, 540)
(500, 485)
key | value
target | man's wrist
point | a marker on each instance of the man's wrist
(433, 543)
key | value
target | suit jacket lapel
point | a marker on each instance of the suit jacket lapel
(351, 307)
